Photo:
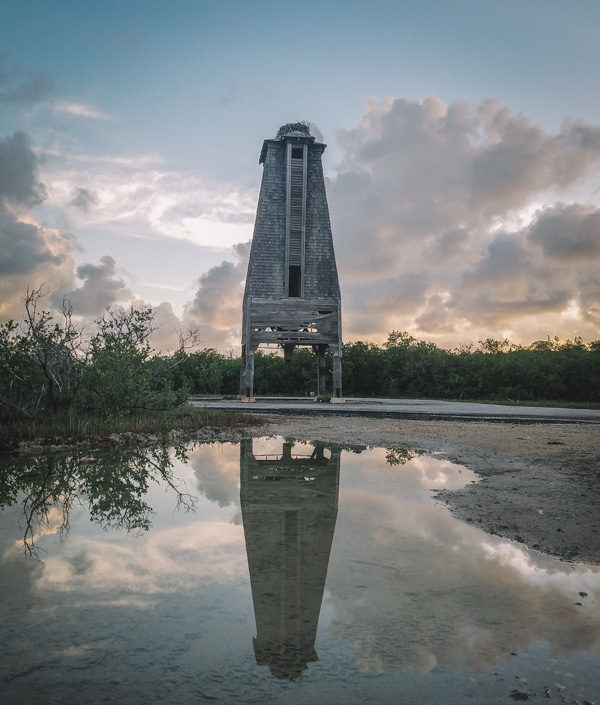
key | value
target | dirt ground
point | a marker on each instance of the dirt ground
(538, 482)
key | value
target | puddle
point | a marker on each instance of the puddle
(276, 572)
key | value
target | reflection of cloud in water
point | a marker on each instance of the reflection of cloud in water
(434, 473)
(409, 585)
(18, 576)
(52, 523)
(412, 587)
(420, 473)
(163, 561)
(216, 468)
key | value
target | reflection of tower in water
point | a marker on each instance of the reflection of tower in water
(289, 505)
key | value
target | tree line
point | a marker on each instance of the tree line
(49, 365)
(407, 367)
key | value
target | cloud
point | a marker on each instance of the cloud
(156, 564)
(436, 317)
(168, 328)
(83, 199)
(112, 194)
(440, 198)
(217, 306)
(218, 477)
(81, 110)
(454, 221)
(34, 255)
(31, 254)
(18, 576)
(538, 270)
(451, 222)
(58, 158)
(25, 247)
(99, 289)
(18, 178)
(38, 88)
(316, 131)
(568, 233)
(137, 195)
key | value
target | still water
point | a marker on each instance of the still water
(276, 572)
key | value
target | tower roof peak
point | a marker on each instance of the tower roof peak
(298, 132)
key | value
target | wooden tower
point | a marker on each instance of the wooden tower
(292, 295)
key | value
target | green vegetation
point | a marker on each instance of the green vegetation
(405, 367)
(57, 383)
(494, 370)
(72, 427)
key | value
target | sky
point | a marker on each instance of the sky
(462, 161)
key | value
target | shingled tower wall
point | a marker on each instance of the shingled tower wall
(292, 295)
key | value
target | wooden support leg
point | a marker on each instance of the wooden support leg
(321, 369)
(248, 377)
(337, 393)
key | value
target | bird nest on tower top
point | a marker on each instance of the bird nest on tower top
(300, 126)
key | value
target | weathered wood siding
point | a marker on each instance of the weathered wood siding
(292, 231)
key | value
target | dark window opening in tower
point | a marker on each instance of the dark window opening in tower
(295, 275)
(297, 153)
